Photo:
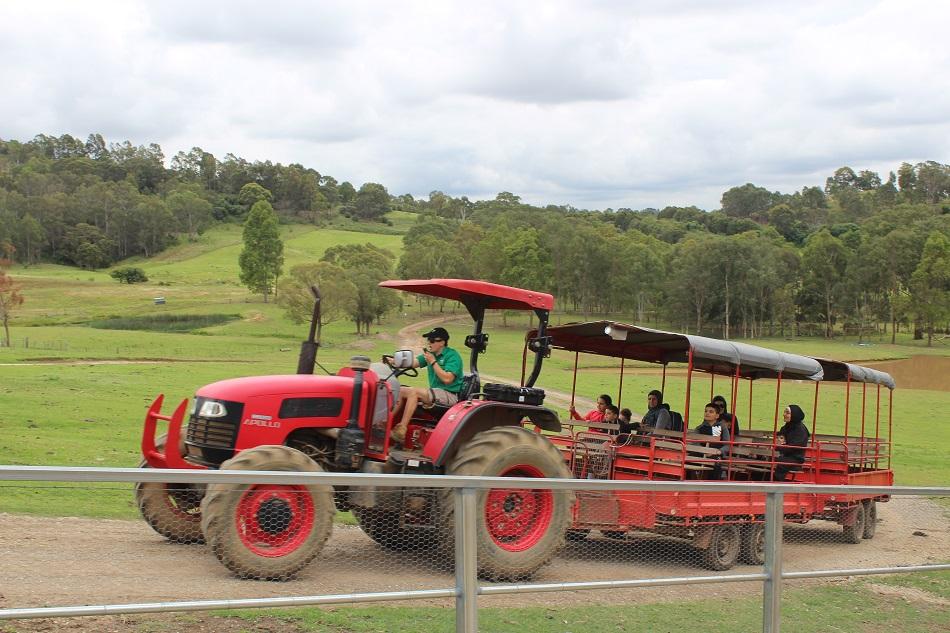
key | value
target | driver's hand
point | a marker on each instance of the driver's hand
(429, 356)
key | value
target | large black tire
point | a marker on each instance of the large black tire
(517, 531)
(172, 510)
(870, 519)
(383, 527)
(723, 550)
(855, 532)
(266, 531)
(752, 546)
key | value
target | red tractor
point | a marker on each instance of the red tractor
(342, 423)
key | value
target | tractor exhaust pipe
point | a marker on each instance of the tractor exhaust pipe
(308, 349)
(352, 439)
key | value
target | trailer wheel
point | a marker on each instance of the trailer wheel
(752, 550)
(855, 532)
(723, 550)
(172, 510)
(870, 519)
(267, 531)
(383, 527)
(517, 530)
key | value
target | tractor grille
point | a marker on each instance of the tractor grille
(211, 441)
(211, 433)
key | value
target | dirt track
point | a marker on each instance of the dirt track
(73, 561)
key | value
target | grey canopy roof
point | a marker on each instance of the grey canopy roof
(837, 370)
(621, 340)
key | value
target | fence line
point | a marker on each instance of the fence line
(467, 587)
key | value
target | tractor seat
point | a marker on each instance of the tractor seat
(470, 386)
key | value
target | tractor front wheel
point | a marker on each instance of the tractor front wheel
(267, 531)
(517, 530)
(172, 510)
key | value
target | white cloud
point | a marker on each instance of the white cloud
(595, 105)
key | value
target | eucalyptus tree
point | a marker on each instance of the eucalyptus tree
(262, 258)
(824, 263)
(930, 283)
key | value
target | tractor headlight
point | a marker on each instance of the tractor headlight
(212, 409)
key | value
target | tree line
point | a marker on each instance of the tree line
(92, 203)
(860, 254)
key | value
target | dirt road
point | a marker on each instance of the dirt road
(77, 561)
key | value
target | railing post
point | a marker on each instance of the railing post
(466, 562)
(772, 592)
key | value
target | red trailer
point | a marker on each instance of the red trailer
(727, 526)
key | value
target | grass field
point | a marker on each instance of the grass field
(852, 606)
(915, 603)
(80, 414)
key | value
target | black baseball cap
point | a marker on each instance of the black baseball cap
(437, 333)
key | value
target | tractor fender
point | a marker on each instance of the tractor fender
(465, 419)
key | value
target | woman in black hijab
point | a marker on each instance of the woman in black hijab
(795, 435)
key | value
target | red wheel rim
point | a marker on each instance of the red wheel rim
(274, 520)
(518, 519)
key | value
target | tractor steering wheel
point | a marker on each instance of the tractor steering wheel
(412, 372)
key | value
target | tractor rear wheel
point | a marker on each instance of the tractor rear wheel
(267, 531)
(855, 532)
(723, 550)
(517, 530)
(172, 510)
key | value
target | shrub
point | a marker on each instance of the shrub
(129, 275)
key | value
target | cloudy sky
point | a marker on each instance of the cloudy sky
(594, 104)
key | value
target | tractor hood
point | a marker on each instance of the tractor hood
(241, 389)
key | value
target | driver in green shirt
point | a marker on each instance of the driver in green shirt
(444, 366)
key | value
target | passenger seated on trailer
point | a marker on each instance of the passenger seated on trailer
(712, 425)
(611, 416)
(795, 435)
(444, 366)
(729, 419)
(658, 413)
(595, 415)
(627, 426)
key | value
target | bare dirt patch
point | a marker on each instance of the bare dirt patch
(910, 594)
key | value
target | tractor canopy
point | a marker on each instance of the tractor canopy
(621, 340)
(838, 371)
(484, 294)
(478, 296)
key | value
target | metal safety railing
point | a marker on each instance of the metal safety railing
(467, 587)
